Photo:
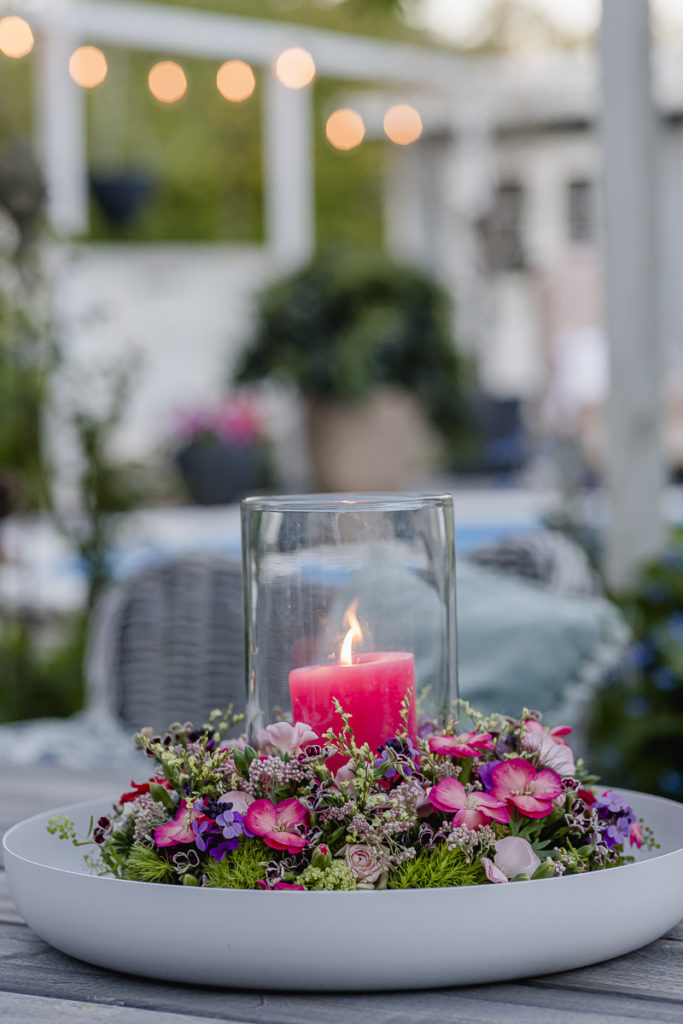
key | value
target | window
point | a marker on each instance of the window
(580, 211)
(502, 229)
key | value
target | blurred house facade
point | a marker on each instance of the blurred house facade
(499, 198)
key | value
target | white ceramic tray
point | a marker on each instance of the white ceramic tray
(344, 940)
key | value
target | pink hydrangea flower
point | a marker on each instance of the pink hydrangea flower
(518, 783)
(277, 824)
(290, 739)
(465, 744)
(514, 856)
(472, 809)
(179, 830)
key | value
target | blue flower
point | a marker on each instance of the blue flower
(665, 680)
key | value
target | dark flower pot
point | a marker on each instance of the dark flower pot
(216, 473)
(121, 196)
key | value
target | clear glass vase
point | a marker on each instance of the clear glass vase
(350, 597)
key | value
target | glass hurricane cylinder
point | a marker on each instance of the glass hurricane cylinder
(350, 598)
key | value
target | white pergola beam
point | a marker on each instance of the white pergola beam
(289, 190)
(194, 33)
(635, 465)
(60, 115)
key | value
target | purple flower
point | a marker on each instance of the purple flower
(232, 823)
(616, 818)
(405, 750)
(485, 771)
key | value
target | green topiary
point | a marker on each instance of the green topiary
(340, 328)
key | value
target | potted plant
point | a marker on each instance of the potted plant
(224, 451)
(368, 344)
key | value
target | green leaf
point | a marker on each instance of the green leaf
(162, 796)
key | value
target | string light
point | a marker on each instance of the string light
(295, 68)
(88, 67)
(235, 81)
(167, 81)
(403, 124)
(345, 129)
(16, 37)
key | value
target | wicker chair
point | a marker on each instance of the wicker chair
(168, 644)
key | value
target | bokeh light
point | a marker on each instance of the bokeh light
(295, 68)
(235, 81)
(403, 124)
(88, 67)
(16, 38)
(345, 129)
(167, 81)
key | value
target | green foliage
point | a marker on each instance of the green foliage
(337, 876)
(239, 869)
(105, 487)
(342, 326)
(636, 730)
(146, 865)
(435, 868)
(34, 682)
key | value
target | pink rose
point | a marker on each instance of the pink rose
(366, 864)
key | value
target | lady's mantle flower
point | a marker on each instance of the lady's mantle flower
(277, 824)
(465, 744)
(290, 739)
(180, 829)
(513, 857)
(518, 783)
(472, 809)
(367, 864)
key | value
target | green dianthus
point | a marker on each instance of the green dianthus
(240, 869)
(146, 865)
(437, 868)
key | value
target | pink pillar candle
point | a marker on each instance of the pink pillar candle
(372, 690)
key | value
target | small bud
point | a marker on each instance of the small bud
(322, 857)
(544, 870)
(189, 879)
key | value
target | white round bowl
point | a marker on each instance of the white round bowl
(416, 938)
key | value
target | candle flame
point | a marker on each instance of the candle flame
(355, 632)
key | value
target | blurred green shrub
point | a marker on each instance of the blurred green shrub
(40, 682)
(636, 731)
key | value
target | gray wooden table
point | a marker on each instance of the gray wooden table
(40, 984)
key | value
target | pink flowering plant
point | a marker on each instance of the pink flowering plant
(503, 800)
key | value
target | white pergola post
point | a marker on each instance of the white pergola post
(61, 129)
(635, 470)
(289, 187)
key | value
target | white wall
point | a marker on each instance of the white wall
(178, 313)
